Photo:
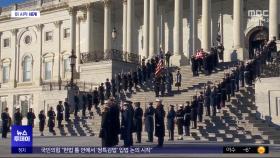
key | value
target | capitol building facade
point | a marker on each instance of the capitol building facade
(34, 52)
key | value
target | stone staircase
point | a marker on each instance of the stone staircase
(237, 123)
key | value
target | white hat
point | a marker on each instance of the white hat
(158, 100)
(181, 105)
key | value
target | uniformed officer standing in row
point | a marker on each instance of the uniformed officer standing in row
(194, 106)
(67, 111)
(187, 118)
(149, 121)
(171, 123)
(127, 124)
(18, 117)
(51, 121)
(159, 123)
(59, 109)
(30, 118)
(200, 106)
(137, 120)
(42, 122)
(180, 121)
(6, 122)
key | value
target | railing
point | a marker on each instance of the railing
(56, 85)
(8, 8)
(90, 57)
(31, 4)
(27, 4)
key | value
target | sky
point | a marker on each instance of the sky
(4, 3)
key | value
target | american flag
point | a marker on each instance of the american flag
(160, 67)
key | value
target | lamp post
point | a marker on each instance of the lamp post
(72, 58)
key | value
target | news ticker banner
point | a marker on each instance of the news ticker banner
(153, 150)
(22, 143)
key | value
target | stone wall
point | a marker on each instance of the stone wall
(268, 98)
(99, 71)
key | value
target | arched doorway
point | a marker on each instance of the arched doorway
(256, 39)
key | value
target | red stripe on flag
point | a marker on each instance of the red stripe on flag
(160, 67)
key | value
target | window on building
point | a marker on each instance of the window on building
(27, 68)
(6, 42)
(49, 36)
(3, 104)
(6, 72)
(66, 33)
(67, 67)
(24, 108)
(48, 70)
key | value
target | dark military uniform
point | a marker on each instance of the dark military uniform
(180, 120)
(194, 66)
(108, 89)
(159, 124)
(125, 82)
(127, 126)
(200, 107)
(170, 123)
(157, 85)
(18, 118)
(30, 118)
(194, 105)
(114, 113)
(42, 122)
(130, 82)
(77, 104)
(187, 119)
(149, 122)
(95, 98)
(89, 101)
(67, 111)
(84, 107)
(135, 78)
(213, 100)
(105, 130)
(51, 122)
(5, 117)
(101, 94)
(207, 100)
(59, 109)
(114, 88)
(138, 114)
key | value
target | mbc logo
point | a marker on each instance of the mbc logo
(258, 13)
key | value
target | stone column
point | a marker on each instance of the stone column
(39, 29)
(146, 29)
(178, 32)
(15, 61)
(130, 16)
(162, 25)
(107, 27)
(152, 28)
(73, 14)
(89, 23)
(206, 18)
(273, 19)
(78, 44)
(237, 24)
(125, 25)
(238, 37)
(193, 26)
(57, 76)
